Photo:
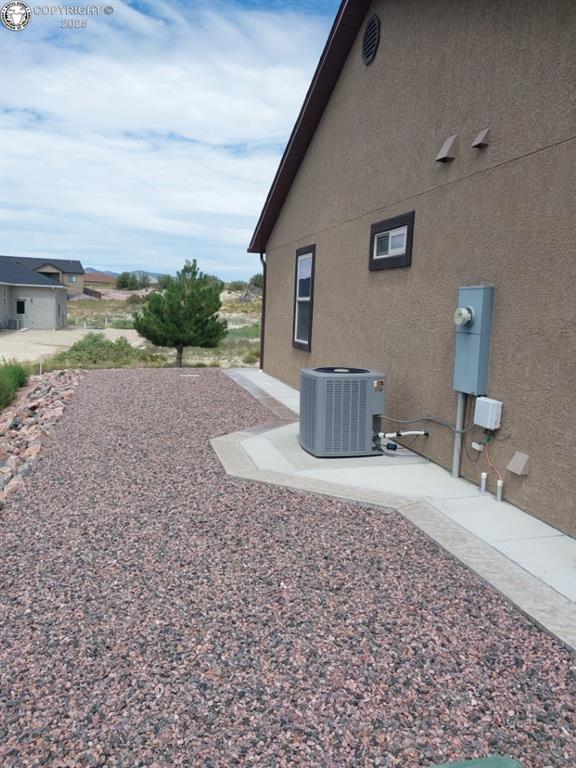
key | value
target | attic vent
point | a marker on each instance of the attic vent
(371, 39)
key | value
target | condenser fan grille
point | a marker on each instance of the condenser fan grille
(307, 409)
(337, 409)
(345, 416)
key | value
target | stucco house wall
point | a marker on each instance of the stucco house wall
(4, 305)
(74, 283)
(41, 306)
(503, 215)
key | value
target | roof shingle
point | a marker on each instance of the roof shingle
(69, 266)
(13, 272)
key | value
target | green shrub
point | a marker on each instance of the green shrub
(12, 376)
(162, 282)
(236, 285)
(251, 358)
(96, 351)
(257, 281)
(245, 336)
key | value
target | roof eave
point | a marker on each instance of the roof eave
(34, 285)
(342, 35)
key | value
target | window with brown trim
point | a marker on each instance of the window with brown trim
(391, 242)
(303, 298)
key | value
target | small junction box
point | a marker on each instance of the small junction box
(487, 413)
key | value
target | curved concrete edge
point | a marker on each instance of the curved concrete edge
(542, 604)
(238, 463)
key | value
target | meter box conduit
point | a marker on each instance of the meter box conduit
(338, 406)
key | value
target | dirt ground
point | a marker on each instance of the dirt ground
(33, 345)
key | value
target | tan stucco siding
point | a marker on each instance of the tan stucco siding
(74, 284)
(41, 306)
(504, 215)
(443, 67)
(52, 272)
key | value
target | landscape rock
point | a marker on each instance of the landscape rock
(27, 422)
(159, 613)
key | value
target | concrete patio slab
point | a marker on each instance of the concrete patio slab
(528, 561)
(553, 560)
(494, 521)
(424, 481)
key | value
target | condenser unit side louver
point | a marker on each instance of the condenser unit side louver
(337, 409)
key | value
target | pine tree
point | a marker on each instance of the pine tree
(185, 314)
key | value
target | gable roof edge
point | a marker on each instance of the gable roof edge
(348, 20)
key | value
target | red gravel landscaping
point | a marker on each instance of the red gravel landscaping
(155, 612)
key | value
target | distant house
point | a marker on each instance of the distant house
(66, 272)
(99, 280)
(29, 299)
(435, 151)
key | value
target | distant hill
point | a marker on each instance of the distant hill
(102, 271)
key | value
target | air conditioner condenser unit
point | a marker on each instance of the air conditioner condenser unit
(337, 410)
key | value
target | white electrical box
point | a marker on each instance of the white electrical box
(487, 413)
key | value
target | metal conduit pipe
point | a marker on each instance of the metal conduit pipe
(263, 310)
(460, 410)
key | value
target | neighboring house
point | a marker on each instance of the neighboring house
(99, 280)
(29, 299)
(66, 272)
(391, 195)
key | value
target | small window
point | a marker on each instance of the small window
(71, 278)
(20, 307)
(303, 297)
(391, 242)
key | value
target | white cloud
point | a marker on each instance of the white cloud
(147, 139)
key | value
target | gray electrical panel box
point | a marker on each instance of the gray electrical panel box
(473, 319)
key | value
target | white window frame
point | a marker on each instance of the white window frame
(71, 278)
(391, 251)
(303, 299)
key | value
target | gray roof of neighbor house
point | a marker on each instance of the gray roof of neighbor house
(69, 266)
(13, 273)
(342, 35)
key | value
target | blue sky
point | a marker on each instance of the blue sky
(153, 134)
